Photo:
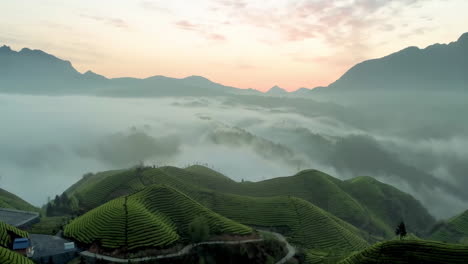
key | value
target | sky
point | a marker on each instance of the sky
(240, 43)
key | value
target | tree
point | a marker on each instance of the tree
(199, 230)
(401, 230)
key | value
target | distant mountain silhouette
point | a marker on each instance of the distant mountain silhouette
(33, 71)
(36, 72)
(437, 67)
(301, 91)
(276, 91)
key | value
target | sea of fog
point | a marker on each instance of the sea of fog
(48, 143)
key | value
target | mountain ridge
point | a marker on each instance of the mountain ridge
(410, 69)
(440, 65)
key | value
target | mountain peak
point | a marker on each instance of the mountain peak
(276, 90)
(302, 90)
(463, 38)
(92, 75)
(196, 77)
(5, 48)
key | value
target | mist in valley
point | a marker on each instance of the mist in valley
(49, 142)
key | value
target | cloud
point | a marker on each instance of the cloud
(203, 30)
(153, 6)
(343, 25)
(186, 25)
(130, 148)
(237, 4)
(115, 22)
(215, 36)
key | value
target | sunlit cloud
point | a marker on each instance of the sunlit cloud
(201, 29)
(115, 22)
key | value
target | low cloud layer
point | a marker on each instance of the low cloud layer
(48, 143)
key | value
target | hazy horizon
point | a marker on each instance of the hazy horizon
(285, 43)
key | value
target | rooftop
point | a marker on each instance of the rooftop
(21, 243)
(17, 218)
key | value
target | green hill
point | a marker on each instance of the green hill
(11, 257)
(11, 201)
(387, 205)
(410, 251)
(454, 230)
(363, 201)
(157, 216)
(302, 222)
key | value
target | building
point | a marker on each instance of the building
(23, 246)
(54, 248)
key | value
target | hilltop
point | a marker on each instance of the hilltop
(364, 202)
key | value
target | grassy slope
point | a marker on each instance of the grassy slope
(11, 201)
(295, 217)
(364, 202)
(7, 234)
(157, 216)
(388, 205)
(410, 251)
(304, 223)
(11, 257)
(454, 231)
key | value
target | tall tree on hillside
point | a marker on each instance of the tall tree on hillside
(401, 230)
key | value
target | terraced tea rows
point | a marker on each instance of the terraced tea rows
(277, 212)
(363, 201)
(158, 216)
(304, 223)
(10, 257)
(8, 233)
(411, 251)
(454, 231)
(181, 209)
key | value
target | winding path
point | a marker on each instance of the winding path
(289, 247)
(188, 248)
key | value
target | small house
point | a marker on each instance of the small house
(23, 246)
